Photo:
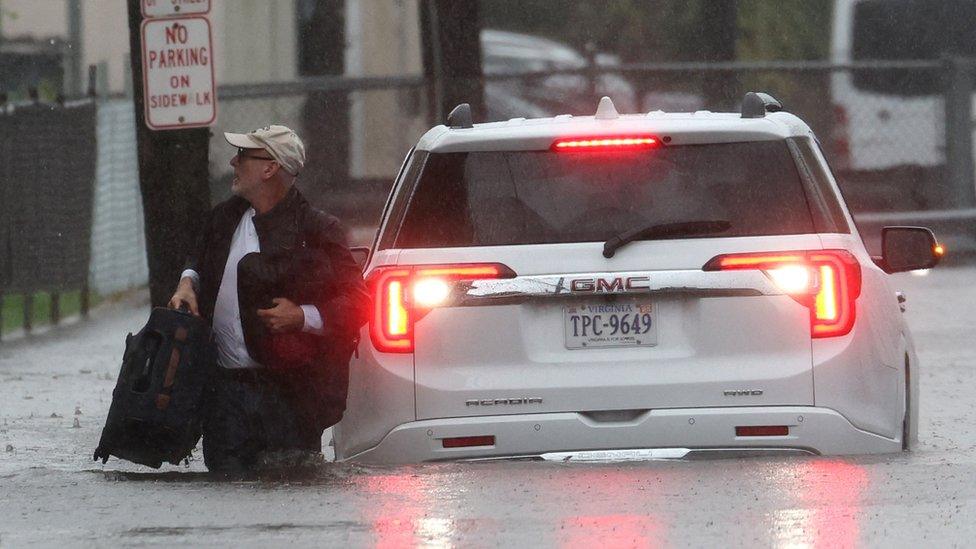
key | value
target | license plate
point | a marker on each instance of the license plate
(592, 325)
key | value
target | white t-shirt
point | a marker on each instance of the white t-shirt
(227, 330)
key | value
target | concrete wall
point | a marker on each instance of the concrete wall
(254, 40)
(104, 33)
(383, 38)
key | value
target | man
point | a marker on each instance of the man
(285, 299)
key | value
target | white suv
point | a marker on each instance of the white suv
(661, 283)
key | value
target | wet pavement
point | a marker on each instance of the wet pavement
(55, 391)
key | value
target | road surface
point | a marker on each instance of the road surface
(55, 390)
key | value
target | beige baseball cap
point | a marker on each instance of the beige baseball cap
(281, 142)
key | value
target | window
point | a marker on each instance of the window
(828, 214)
(537, 197)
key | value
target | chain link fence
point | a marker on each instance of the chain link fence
(356, 131)
(900, 158)
(47, 167)
(71, 212)
(118, 260)
(71, 220)
(897, 134)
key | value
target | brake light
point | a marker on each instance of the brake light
(629, 143)
(840, 286)
(390, 328)
(402, 295)
(828, 282)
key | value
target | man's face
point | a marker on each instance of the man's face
(251, 168)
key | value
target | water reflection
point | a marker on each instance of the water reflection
(605, 511)
(791, 503)
(608, 531)
(401, 516)
(829, 496)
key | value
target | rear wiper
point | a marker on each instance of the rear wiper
(683, 228)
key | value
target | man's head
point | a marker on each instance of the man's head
(267, 161)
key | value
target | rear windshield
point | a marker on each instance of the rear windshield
(538, 197)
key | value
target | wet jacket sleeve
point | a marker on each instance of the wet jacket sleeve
(346, 307)
(197, 254)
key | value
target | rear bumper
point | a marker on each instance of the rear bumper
(811, 429)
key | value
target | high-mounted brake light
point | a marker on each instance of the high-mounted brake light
(402, 295)
(621, 143)
(828, 282)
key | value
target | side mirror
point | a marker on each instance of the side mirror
(360, 254)
(908, 249)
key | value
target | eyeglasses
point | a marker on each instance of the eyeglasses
(242, 154)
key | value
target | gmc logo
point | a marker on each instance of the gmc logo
(610, 285)
(742, 392)
(502, 401)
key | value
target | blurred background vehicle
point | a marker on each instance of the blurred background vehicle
(512, 53)
(362, 81)
(901, 130)
(883, 116)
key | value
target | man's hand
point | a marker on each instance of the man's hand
(283, 317)
(185, 295)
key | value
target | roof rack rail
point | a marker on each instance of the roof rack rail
(757, 104)
(460, 117)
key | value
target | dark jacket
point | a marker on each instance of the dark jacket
(304, 257)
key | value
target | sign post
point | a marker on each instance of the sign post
(178, 73)
(173, 80)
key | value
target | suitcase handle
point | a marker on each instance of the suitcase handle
(163, 397)
(144, 374)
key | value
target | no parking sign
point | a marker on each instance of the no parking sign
(178, 65)
(178, 73)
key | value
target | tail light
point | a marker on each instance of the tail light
(402, 295)
(828, 282)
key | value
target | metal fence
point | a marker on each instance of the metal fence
(70, 209)
(118, 251)
(356, 131)
(46, 171)
(71, 213)
(900, 157)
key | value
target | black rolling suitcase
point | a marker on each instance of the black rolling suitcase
(157, 405)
